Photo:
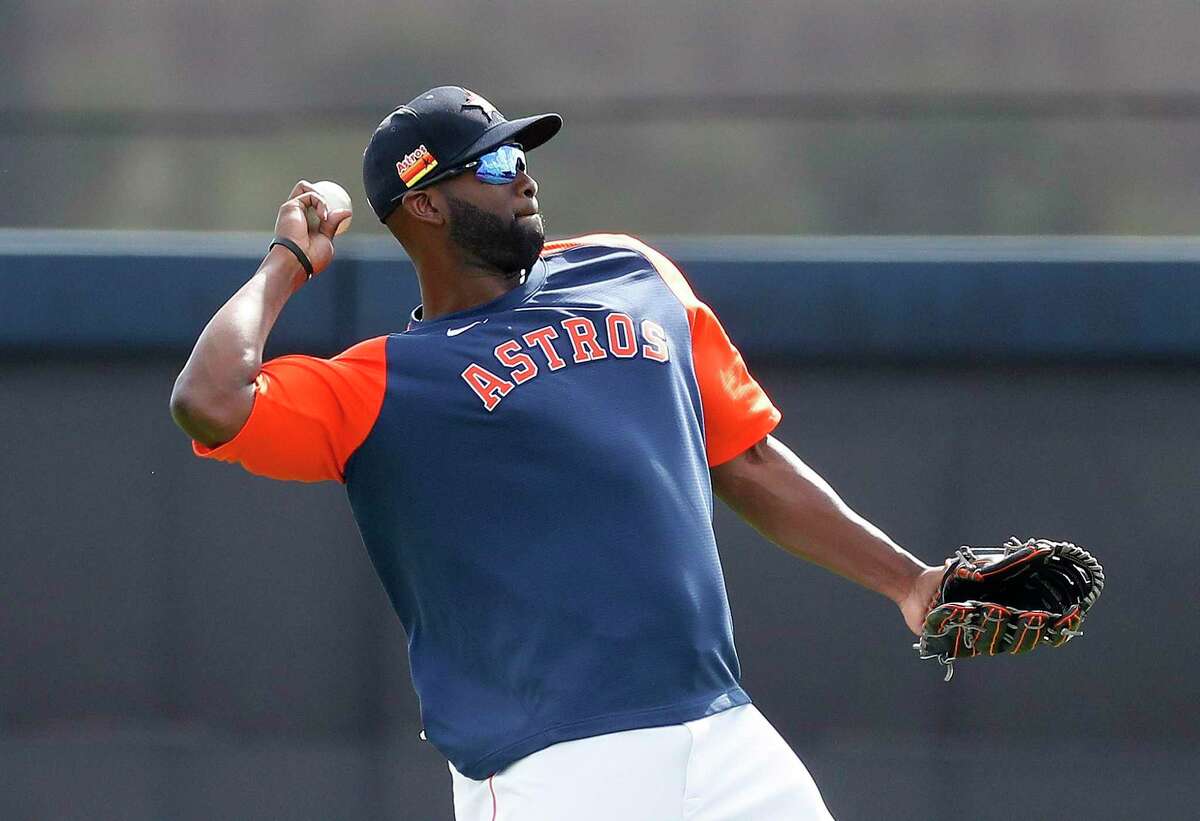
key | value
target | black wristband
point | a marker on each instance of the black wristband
(295, 249)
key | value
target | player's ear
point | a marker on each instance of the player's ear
(421, 206)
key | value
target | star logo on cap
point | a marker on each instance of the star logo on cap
(475, 101)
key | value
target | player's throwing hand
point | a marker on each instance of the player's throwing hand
(292, 224)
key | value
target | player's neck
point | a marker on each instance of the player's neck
(459, 288)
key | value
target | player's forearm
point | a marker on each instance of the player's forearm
(791, 505)
(214, 393)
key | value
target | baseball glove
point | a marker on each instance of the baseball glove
(1009, 599)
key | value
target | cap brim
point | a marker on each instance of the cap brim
(530, 132)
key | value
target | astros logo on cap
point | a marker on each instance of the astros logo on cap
(475, 101)
(416, 165)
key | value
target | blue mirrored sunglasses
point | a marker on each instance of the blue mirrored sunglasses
(498, 167)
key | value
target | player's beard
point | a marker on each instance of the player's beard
(509, 248)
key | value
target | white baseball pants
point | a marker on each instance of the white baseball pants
(732, 766)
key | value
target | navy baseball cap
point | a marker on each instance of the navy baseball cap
(434, 133)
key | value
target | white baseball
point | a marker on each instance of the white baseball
(336, 198)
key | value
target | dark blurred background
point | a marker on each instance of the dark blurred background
(180, 640)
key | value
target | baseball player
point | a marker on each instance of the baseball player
(531, 462)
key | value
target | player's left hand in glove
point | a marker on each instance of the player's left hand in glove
(1009, 599)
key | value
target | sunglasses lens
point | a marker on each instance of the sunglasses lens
(502, 165)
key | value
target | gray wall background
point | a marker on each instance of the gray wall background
(790, 116)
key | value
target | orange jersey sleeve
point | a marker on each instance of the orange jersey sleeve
(309, 414)
(737, 412)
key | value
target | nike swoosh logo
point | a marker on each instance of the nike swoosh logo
(457, 331)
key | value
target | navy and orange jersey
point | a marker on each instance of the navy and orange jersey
(530, 478)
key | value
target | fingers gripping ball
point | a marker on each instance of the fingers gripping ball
(1009, 600)
(337, 198)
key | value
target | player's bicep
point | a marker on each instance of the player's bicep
(290, 433)
(308, 415)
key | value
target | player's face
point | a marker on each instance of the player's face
(497, 224)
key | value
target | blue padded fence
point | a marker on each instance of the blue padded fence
(837, 299)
